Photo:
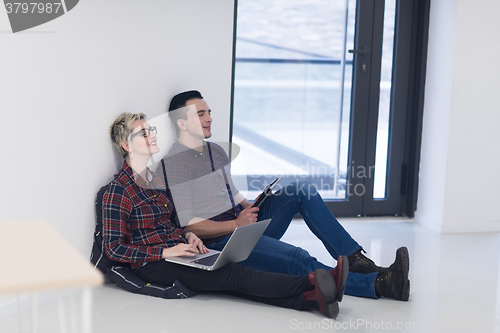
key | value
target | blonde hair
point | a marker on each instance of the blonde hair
(121, 128)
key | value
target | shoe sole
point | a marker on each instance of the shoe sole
(332, 310)
(327, 286)
(405, 257)
(345, 272)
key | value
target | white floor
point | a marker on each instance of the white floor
(455, 287)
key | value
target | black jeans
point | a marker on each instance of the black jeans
(271, 288)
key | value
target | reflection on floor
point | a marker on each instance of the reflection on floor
(455, 287)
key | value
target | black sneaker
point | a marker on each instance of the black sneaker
(359, 263)
(394, 283)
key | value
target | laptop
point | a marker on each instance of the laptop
(237, 249)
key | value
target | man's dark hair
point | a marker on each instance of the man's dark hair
(179, 101)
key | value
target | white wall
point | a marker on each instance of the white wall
(63, 83)
(459, 185)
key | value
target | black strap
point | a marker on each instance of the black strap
(169, 194)
(164, 173)
(225, 178)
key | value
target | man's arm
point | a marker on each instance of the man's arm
(211, 229)
(239, 198)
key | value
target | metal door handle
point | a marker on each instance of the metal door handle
(362, 51)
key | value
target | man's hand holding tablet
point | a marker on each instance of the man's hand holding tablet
(266, 193)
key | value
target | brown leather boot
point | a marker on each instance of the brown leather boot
(340, 275)
(322, 297)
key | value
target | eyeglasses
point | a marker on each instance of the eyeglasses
(145, 132)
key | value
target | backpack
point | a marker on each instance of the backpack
(121, 273)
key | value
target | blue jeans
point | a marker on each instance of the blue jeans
(272, 255)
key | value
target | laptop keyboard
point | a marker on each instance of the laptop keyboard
(207, 261)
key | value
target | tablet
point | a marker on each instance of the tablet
(266, 193)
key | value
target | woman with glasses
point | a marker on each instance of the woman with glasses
(138, 229)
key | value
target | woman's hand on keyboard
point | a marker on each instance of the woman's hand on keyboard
(180, 250)
(196, 242)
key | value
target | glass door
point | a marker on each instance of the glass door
(292, 93)
(322, 93)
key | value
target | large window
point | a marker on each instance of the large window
(314, 98)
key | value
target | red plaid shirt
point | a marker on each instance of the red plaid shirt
(198, 191)
(137, 219)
